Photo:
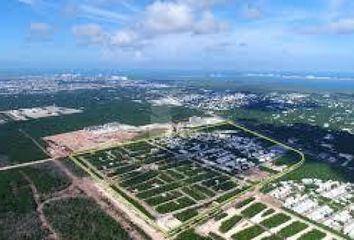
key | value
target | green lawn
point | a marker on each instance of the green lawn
(229, 223)
(248, 233)
(275, 220)
(313, 235)
(292, 229)
(186, 215)
(191, 235)
(253, 210)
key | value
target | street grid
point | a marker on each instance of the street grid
(158, 184)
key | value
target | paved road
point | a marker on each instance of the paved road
(22, 165)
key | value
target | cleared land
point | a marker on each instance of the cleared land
(167, 185)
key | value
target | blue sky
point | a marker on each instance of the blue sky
(242, 35)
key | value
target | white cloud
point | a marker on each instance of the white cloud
(161, 27)
(339, 26)
(124, 38)
(158, 19)
(168, 17)
(94, 34)
(28, 2)
(89, 33)
(342, 26)
(180, 17)
(97, 13)
(40, 27)
(201, 4)
(252, 12)
(40, 31)
(209, 24)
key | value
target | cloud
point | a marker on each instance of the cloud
(40, 31)
(28, 2)
(209, 24)
(251, 12)
(89, 34)
(126, 39)
(168, 17)
(157, 20)
(94, 34)
(339, 26)
(201, 4)
(220, 46)
(343, 26)
(97, 13)
(180, 17)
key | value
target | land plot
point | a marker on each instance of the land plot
(159, 180)
(227, 148)
(252, 219)
(174, 174)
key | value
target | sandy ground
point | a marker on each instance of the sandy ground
(256, 175)
(67, 143)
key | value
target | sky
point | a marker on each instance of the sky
(240, 35)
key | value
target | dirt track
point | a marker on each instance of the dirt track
(45, 224)
(84, 187)
(87, 186)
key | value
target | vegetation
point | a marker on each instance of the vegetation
(275, 220)
(186, 215)
(313, 235)
(220, 216)
(134, 202)
(47, 178)
(191, 235)
(180, 203)
(268, 212)
(244, 202)
(194, 194)
(230, 195)
(81, 218)
(215, 236)
(253, 210)
(79, 172)
(229, 223)
(272, 237)
(18, 217)
(159, 199)
(288, 159)
(315, 170)
(292, 229)
(101, 106)
(248, 233)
